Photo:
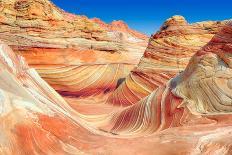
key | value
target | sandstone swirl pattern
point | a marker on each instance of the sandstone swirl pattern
(175, 118)
(57, 43)
(203, 90)
(167, 54)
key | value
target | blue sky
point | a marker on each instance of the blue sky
(148, 15)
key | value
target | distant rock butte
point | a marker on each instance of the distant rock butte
(68, 50)
(168, 52)
(119, 26)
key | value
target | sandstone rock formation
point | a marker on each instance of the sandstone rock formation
(195, 104)
(36, 120)
(168, 53)
(58, 44)
(119, 26)
(203, 89)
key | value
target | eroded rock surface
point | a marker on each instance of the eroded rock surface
(59, 44)
(167, 54)
(173, 119)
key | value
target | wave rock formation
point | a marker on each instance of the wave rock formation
(59, 44)
(203, 88)
(190, 114)
(178, 100)
(167, 54)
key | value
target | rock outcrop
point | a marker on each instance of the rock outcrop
(58, 44)
(167, 54)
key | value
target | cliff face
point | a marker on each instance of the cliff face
(189, 115)
(58, 44)
(167, 54)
